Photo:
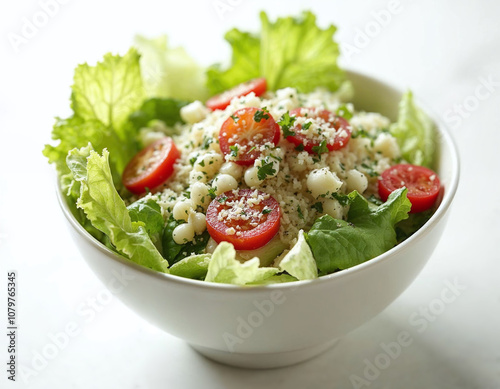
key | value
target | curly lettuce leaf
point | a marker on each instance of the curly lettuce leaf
(170, 72)
(103, 96)
(299, 261)
(291, 52)
(109, 91)
(225, 268)
(338, 244)
(414, 132)
(107, 212)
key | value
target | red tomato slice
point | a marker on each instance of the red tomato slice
(221, 101)
(151, 167)
(423, 185)
(246, 218)
(313, 136)
(245, 131)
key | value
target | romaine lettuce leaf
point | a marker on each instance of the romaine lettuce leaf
(106, 210)
(299, 261)
(338, 244)
(170, 72)
(414, 132)
(225, 268)
(194, 267)
(291, 52)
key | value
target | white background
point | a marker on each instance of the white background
(441, 51)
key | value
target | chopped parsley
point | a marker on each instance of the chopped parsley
(202, 163)
(344, 112)
(222, 199)
(235, 118)
(286, 122)
(206, 143)
(300, 147)
(265, 211)
(266, 169)
(301, 215)
(234, 151)
(341, 198)
(320, 149)
(318, 207)
(192, 161)
(261, 114)
(211, 193)
(306, 126)
(275, 157)
(369, 170)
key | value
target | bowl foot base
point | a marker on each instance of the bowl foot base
(264, 360)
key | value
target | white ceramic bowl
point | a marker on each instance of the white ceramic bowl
(278, 325)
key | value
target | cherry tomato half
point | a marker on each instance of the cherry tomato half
(423, 185)
(221, 101)
(246, 218)
(151, 166)
(245, 131)
(322, 122)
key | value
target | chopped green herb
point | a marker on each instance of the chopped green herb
(344, 112)
(266, 169)
(301, 215)
(206, 143)
(341, 198)
(321, 149)
(300, 147)
(265, 211)
(211, 193)
(275, 157)
(369, 170)
(306, 126)
(286, 122)
(318, 207)
(222, 199)
(202, 163)
(261, 114)
(234, 151)
(252, 149)
(235, 118)
(192, 161)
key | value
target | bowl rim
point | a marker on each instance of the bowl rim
(449, 194)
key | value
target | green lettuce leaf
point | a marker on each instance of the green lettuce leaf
(414, 132)
(194, 267)
(291, 52)
(274, 279)
(109, 91)
(299, 261)
(170, 72)
(148, 212)
(107, 212)
(103, 96)
(225, 268)
(338, 244)
(165, 109)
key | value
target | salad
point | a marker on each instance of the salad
(261, 172)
